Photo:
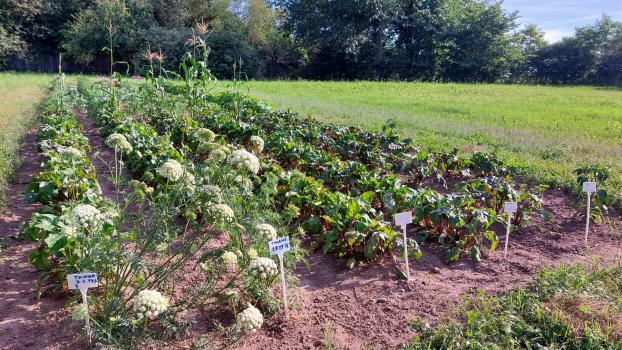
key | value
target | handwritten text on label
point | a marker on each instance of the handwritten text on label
(82, 280)
(279, 245)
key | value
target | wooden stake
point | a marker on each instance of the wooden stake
(587, 218)
(284, 286)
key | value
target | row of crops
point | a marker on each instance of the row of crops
(201, 182)
(342, 184)
(172, 240)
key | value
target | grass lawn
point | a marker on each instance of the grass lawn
(19, 96)
(545, 132)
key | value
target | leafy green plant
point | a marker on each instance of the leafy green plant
(565, 308)
(602, 199)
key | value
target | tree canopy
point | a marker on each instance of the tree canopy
(429, 40)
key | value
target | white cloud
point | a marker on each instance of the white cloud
(554, 35)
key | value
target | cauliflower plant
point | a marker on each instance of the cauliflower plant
(263, 268)
(188, 182)
(229, 259)
(205, 135)
(213, 194)
(149, 304)
(171, 170)
(217, 156)
(250, 320)
(119, 143)
(70, 230)
(266, 231)
(257, 144)
(70, 152)
(86, 216)
(243, 160)
(222, 213)
(245, 184)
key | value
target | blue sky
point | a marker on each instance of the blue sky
(558, 18)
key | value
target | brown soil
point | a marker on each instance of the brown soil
(366, 306)
(369, 307)
(25, 323)
(101, 155)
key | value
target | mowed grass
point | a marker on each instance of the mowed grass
(19, 96)
(543, 132)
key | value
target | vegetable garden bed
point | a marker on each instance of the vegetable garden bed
(197, 184)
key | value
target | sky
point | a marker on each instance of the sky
(559, 18)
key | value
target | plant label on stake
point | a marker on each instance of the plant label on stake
(588, 188)
(403, 219)
(278, 247)
(510, 208)
(83, 281)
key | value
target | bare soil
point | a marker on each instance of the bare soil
(25, 323)
(369, 307)
(352, 309)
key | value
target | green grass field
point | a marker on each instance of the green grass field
(19, 96)
(546, 132)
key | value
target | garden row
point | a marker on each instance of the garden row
(135, 240)
(347, 184)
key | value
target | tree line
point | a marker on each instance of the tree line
(427, 40)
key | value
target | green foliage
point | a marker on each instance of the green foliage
(589, 56)
(534, 139)
(431, 40)
(571, 307)
(88, 34)
(156, 229)
(348, 182)
(9, 45)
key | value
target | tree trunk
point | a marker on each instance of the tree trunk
(378, 39)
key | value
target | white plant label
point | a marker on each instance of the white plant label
(278, 247)
(510, 207)
(83, 281)
(589, 187)
(403, 219)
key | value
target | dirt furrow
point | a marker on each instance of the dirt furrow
(25, 323)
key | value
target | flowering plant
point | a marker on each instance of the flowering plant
(171, 170)
(243, 160)
(250, 320)
(149, 304)
(263, 268)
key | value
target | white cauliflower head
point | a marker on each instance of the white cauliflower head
(70, 152)
(243, 160)
(263, 268)
(266, 231)
(86, 216)
(257, 144)
(229, 259)
(171, 170)
(118, 142)
(212, 193)
(250, 320)
(221, 213)
(149, 304)
(205, 135)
